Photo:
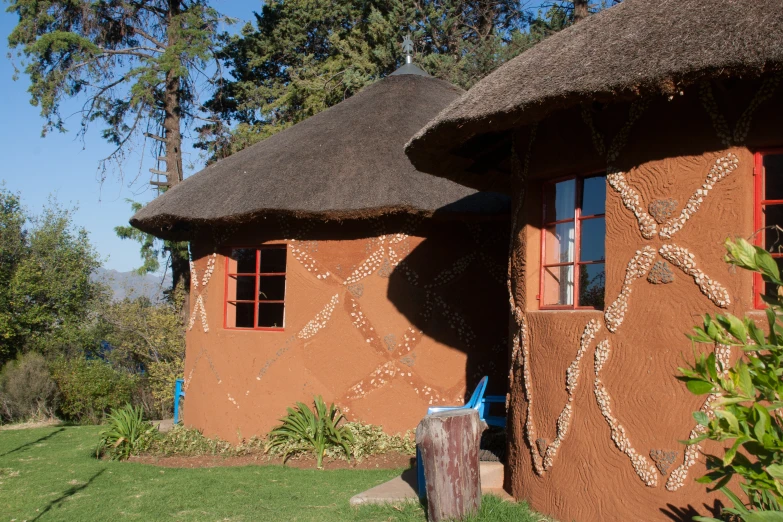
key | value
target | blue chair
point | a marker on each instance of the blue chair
(179, 394)
(477, 402)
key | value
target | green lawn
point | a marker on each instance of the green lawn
(50, 474)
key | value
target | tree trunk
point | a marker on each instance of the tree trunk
(580, 10)
(449, 446)
(172, 115)
(180, 265)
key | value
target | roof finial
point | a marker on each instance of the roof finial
(407, 47)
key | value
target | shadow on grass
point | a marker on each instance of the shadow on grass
(31, 443)
(66, 494)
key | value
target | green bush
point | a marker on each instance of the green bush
(303, 429)
(370, 439)
(27, 391)
(91, 389)
(188, 442)
(748, 412)
(126, 433)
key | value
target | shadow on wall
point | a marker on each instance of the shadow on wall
(457, 275)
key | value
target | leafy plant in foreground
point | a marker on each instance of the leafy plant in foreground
(126, 433)
(749, 403)
(313, 430)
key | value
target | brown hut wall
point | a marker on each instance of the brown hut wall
(359, 344)
(669, 152)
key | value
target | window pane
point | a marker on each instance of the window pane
(271, 288)
(273, 260)
(270, 315)
(559, 200)
(773, 236)
(245, 288)
(592, 280)
(559, 243)
(594, 196)
(243, 314)
(243, 261)
(769, 288)
(559, 285)
(593, 237)
(773, 176)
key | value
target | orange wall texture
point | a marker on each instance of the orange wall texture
(384, 317)
(596, 410)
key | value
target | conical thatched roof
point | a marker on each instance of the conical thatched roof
(633, 48)
(344, 163)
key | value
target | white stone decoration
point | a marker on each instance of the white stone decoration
(641, 465)
(198, 307)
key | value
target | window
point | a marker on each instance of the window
(255, 287)
(572, 244)
(768, 175)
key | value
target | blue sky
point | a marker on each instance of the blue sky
(63, 166)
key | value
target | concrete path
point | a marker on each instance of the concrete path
(164, 425)
(403, 488)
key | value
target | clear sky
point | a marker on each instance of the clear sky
(63, 166)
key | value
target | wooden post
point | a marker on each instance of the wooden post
(449, 446)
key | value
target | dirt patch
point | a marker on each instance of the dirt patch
(385, 461)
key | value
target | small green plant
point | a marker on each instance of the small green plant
(748, 410)
(126, 433)
(370, 439)
(303, 429)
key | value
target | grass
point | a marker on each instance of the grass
(50, 474)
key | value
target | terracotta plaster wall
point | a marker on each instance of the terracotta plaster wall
(582, 449)
(382, 317)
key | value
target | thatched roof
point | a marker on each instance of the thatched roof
(636, 47)
(344, 163)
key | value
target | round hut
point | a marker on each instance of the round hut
(324, 263)
(633, 144)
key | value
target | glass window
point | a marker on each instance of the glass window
(769, 214)
(256, 285)
(573, 243)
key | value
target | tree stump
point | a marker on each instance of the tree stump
(449, 446)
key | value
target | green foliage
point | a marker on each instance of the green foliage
(182, 441)
(122, 58)
(90, 389)
(370, 439)
(315, 430)
(13, 248)
(151, 335)
(46, 289)
(302, 57)
(749, 407)
(126, 433)
(27, 391)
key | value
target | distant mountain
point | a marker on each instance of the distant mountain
(131, 284)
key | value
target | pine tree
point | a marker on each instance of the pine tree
(134, 63)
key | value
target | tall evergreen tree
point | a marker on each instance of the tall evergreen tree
(135, 64)
(301, 57)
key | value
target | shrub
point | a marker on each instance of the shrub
(126, 433)
(189, 442)
(303, 429)
(370, 439)
(748, 411)
(91, 389)
(27, 391)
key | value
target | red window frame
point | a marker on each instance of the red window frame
(257, 274)
(758, 218)
(577, 220)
